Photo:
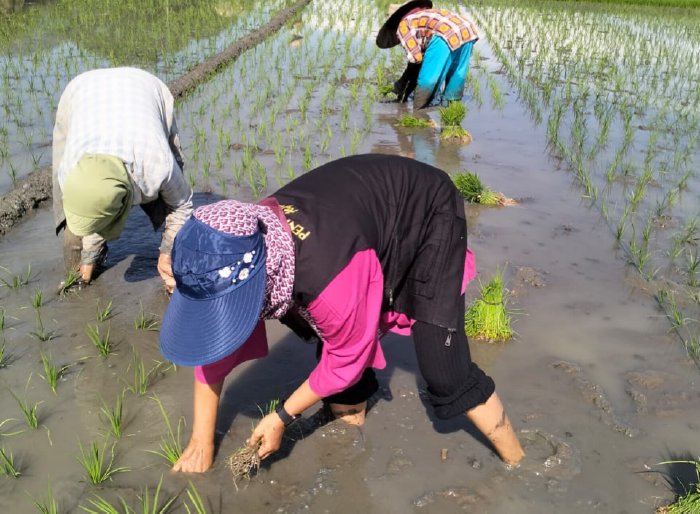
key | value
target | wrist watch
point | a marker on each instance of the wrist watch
(285, 416)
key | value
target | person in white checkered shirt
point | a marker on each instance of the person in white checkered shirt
(116, 144)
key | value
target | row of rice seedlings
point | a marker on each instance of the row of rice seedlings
(534, 63)
(34, 79)
(147, 503)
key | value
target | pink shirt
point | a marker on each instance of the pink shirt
(348, 315)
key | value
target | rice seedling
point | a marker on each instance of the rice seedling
(142, 379)
(472, 189)
(16, 281)
(170, 445)
(97, 468)
(49, 505)
(71, 279)
(103, 506)
(488, 318)
(51, 372)
(410, 121)
(145, 321)
(103, 313)
(29, 411)
(114, 415)
(37, 299)
(102, 342)
(7, 464)
(197, 503)
(4, 356)
(453, 114)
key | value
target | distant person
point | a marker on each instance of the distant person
(342, 254)
(438, 44)
(116, 144)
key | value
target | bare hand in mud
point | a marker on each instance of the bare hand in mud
(165, 268)
(197, 458)
(269, 434)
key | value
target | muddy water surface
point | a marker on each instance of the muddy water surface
(598, 387)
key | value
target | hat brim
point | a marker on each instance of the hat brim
(386, 37)
(200, 332)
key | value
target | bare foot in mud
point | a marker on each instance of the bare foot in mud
(350, 414)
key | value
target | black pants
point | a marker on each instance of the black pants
(455, 383)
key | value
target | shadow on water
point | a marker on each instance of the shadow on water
(140, 240)
(681, 472)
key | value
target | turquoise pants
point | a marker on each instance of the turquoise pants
(442, 66)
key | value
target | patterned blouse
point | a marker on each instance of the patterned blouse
(416, 29)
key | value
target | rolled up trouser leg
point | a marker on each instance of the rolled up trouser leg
(72, 248)
(455, 383)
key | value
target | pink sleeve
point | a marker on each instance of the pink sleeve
(254, 348)
(347, 314)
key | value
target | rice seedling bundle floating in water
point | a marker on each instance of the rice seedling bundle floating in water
(410, 121)
(473, 190)
(487, 317)
(451, 117)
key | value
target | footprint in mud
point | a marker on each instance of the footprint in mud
(547, 456)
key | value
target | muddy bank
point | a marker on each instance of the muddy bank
(36, 188)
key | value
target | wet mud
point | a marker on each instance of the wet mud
(593, 364)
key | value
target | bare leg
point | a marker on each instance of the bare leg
(350, 414)
(491, 419)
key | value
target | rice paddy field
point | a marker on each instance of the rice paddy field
(586, 113)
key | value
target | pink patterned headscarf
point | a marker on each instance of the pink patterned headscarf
(242, 219)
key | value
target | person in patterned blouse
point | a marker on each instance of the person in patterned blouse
(438, 44)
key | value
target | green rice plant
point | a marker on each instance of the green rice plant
(2, 319)
(8, 434)
(689, 503)
(103, 313)
(102, 506)
(37, 299)
(16, 281)
(7, 464)
(170, 445)
(102, 342)
(71, 279)
(114, 415)
(488, 318)
(142, 379)
(4, 356)
(29, 411)
(48, 505)
(453, 114)
(410, 121)
(153, 505)
(145, 321)
(51, 372)
(198, 506)
(97, 469)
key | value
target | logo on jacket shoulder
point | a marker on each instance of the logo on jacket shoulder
(296, 228)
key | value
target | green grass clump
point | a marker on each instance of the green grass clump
(410, 121)
(689, 503)
(487, 317)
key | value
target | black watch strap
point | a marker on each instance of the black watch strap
(285, 416)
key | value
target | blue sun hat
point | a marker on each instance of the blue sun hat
(219, 269)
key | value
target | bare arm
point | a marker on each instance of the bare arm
(199, 454)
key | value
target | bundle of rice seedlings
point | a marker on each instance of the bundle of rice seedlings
(410, 121)
(487, 318)
(243, 463)
(473, 190)
(451, 117)
(452, 114)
